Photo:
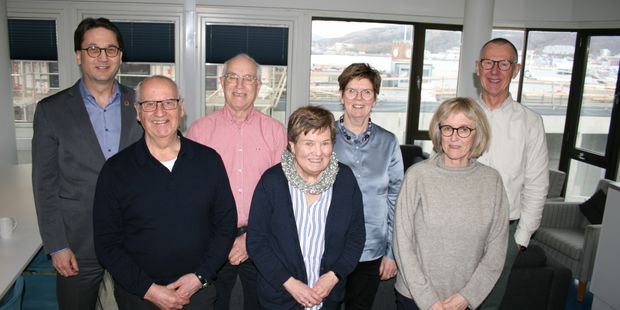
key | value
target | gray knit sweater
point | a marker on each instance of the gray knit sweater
(451, 232)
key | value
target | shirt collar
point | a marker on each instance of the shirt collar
(88, 98)
(349, 136)
(503, 106)
(228, 114)
(143, 155)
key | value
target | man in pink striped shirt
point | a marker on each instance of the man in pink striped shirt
(249, 142)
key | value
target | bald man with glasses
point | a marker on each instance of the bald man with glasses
(75, 131)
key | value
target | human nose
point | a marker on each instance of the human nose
(238, 82)
(495, 67)
(159, 108)
(358, 95)
(454, 136)
(103, 55)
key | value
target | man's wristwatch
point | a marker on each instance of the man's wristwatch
(202, 280)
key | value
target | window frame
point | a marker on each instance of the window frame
(258, 17)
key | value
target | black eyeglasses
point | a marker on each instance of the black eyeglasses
(94, 51)
(503, 64)
(166, 104)
(448, 131)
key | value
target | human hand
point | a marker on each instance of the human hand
(325, 284)
(302, 293)
(455, 302)
(65, 263)
(165, 298)
(238, 254)
(186, 286)
(388, 268)
(437, 306)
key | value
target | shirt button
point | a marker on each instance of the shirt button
(239, 170)
(107, 129)
(240, 190)
(109, 150)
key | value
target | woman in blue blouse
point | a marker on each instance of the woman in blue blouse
(306, 226)
(373, 154)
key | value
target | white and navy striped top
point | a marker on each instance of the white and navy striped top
(310, 221)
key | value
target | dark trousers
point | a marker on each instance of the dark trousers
(201, 300)
(226, 279)
(362, 285)
(404, 303)
(80, 292)
(494, 300)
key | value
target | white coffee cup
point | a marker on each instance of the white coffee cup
(7, 225)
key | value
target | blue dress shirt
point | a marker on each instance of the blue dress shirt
(106, 121)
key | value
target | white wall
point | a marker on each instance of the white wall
(8, 154)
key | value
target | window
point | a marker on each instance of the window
(547, 68)
(267, 44)
(386, 47)
(591, 151)
(149, 50)
(34, 64)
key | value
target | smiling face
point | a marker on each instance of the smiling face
(101, 69)
(495, 82)
(358, 108)
(239, 95)
(312, 152)
(457, 150)
(159, 124)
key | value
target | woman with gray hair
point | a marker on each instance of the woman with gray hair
(451, 226)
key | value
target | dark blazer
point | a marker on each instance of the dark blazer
(66, 160)
(273, 243)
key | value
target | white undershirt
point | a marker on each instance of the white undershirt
(169, 163)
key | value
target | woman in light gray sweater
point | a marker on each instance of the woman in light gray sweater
(451, 224)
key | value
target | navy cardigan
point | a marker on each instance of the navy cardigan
(273, 243)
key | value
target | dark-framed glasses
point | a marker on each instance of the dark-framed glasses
(166, 104)
(488, 64)
(245, 79)
(94, 51)
(351, 93)
(448, 131)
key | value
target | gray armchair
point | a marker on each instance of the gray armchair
(556, 184)
(567, 237)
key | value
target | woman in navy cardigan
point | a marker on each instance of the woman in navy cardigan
(306, 227)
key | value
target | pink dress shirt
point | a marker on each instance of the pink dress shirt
(247, 150)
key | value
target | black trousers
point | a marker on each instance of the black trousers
(226, 279)
(80, 292)
(362, 285)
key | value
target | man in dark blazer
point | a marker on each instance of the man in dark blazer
(75, 131)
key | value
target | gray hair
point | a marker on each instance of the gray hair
(246, 56)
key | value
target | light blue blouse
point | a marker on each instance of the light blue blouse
(377, 163)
